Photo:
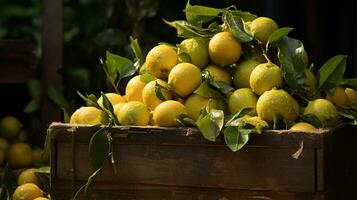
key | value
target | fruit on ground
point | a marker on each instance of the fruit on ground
(352, 95)
(152, 89)
(113, 98)
(133, 113)
(195, 103)
(242, 74)
(242, 98)
(19, 155)
(338, 96)
(262, 28)
(324, 110)
(302, 126)
(197, 49)
(277, 102)
(166, 113)
(184, 78)
(28, 176)
(28, 191)
(38, 158)
(89, 115)
(224, 49)
(134, 89)
(22, 136)
(160, 60)
(219, 74)
(265, 77)
(10, 126)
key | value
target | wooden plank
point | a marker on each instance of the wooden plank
(16, 75)
(253, 168)
(52, 41)
(185, 136)
(117, 191)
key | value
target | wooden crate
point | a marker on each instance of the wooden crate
(178, 163)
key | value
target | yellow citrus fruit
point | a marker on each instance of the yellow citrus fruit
(197, 49)
(41, 198)
(10, 127)
(277, 102)
(134, 89)
(352, 95)
(160, 60)
(89, 115)
(310, 81)
(4, 144)
(28, 191)
(219, 74)
(165, 114)
(262, 28)
(264, 77)
(224, 49)
(242, 74)
(117, 107)
(302, 126)
(338, 96)
(195, 103)
(113, 98)
(324, 110)
(150, 98)
(19, 155)
(38, 158)
(242, 98)
(184, 78)
(28, 176)
(2, 156)
(134, 113)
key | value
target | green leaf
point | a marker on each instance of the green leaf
(331, 73)
(98, 148)
(119, 67)
(4, 194)
(57, 97)
(32, 106)
(9, 181)
(108, 108)
(291, 63)
(257, 124)
(44, 178)
(158, 92)
(197, 15)
(278, 122)
(235, 137)
(245, 15)
(349, 113)
(236, 26)
(91, 100)
(351, 83)
(313, 120)
(66, 117)
(186, 30)
(211, 124)
(278, 35)
(243, 112)
(146, 78)
(206, 91)
(139, 58)
(184, 57)
(35, 88)
(221, 86)
(185, 120)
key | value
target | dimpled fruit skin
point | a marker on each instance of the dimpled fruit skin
(352, 95)
(224, 49)
(165, 114)
(134, 89)
(324, 110)
(276, 102)
(160, 60)
(113, 98)
(197, 49)
(242, 73)
(133, 113)
(242, 98)
(184, 78)
(302, 126)
(265, 77)
(262, 28)
(27, 191)
(149, 93)
(338, 96)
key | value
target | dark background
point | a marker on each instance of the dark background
(93, 26)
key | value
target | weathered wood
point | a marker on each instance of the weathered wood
(179, 136)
